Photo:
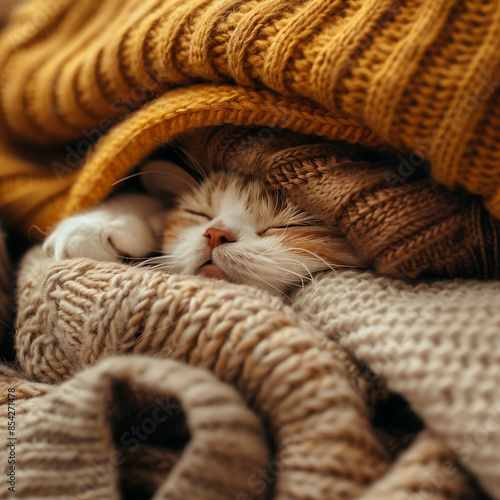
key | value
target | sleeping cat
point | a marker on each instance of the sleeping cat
(227, 227)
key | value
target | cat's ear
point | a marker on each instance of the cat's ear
(162, 177)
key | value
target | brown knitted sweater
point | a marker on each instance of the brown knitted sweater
(409, 229)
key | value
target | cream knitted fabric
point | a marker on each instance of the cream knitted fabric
(306, 389)
(437, 344)
(73, 313)
(72, 430)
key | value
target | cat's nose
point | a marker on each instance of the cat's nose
(217, 237)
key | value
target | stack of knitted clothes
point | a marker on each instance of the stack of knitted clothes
(380, 117)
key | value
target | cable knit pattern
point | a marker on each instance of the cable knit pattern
(418, 76)
(71, 429)
(294, 379)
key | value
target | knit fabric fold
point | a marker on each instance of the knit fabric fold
(420, 77)
(435, 343)
(81, 311)
(318, 406)
(71, 445)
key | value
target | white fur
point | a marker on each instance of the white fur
(129, 224)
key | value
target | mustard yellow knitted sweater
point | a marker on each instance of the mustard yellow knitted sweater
(422, 77)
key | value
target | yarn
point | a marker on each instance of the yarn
(71, 429)
(288, 373)
(417, 229)
(74, 317)
(417, 77)
(434, 343)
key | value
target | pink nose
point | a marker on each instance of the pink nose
(217, 237)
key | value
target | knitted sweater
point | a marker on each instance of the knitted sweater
(257, 399)
(418, 76)
(411, 230)
(228, 345)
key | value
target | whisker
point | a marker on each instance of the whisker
(131, 176)
(330, 266)
(194, 162)
(160, 140)
(267, 282)
(160, 261)
(193, 185)
(302, 264)
(293, 272)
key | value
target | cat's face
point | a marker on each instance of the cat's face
(230, 227)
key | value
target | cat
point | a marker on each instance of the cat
(229, 227)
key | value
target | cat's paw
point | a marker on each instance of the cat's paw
(106, 234)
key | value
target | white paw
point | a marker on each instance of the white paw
(108, 232)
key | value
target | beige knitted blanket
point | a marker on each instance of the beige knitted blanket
(135, 384)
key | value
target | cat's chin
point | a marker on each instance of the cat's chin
(213, 271)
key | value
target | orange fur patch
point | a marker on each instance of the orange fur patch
(322, 242)
(175, 224)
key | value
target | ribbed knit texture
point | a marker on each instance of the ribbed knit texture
(313, 398)
(419, 76)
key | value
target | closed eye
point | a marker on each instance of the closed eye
(280, 228)
(199, 214)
